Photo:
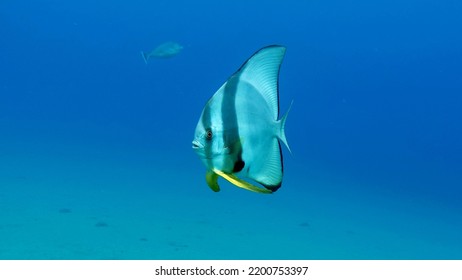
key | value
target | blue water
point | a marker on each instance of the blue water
(95, 145)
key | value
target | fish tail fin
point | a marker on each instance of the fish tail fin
(145, 57)
(282, 124)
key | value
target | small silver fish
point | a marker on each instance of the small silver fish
(165, 50)
(238, 133)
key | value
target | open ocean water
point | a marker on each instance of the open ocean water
(95, 145)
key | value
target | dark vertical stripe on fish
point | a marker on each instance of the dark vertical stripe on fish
(207, 123)
(229, 117)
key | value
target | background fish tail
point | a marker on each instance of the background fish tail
(145, 56)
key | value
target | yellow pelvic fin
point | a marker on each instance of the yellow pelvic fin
(212, 180)
(240, 183)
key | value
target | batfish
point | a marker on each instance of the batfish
(239, 132)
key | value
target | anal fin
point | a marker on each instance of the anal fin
(240, 183)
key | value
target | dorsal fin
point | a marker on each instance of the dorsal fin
(261, 70)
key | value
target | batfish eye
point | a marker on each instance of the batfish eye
(208, 134)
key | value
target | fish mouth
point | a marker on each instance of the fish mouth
(197, 145)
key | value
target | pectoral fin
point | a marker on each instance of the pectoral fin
(212, 180)
(238, 182)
